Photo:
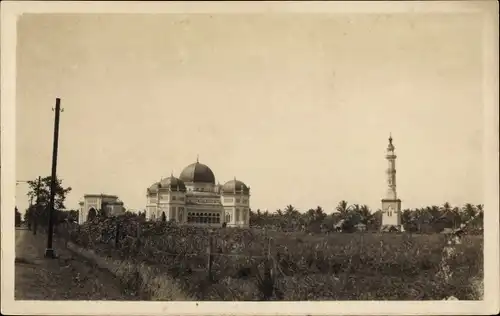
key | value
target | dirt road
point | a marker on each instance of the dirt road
(68, 277)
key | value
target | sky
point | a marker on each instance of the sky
(298, 106)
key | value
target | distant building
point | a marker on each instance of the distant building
(195, 199)
(361, 227)
(93, 203)
(391, 205)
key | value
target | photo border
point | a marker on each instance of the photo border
(11, 10)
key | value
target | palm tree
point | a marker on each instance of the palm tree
(435, 212)
(366, 216)
(446, 208)
(424, 217)
(469, 212)
(290, 210)
(480, 209)
(452, 216)
(480, 213)
(343, 209)
(319, 214)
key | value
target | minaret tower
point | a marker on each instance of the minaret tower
(391, 205)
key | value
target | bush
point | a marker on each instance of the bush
(353, 266)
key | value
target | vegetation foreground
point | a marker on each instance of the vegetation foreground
(256, 264)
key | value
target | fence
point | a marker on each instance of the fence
(202, 254)
(117, 238)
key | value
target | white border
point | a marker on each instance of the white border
(489, 10)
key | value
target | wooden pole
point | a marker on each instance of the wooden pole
(138, 237)
(270, 258)
(117, 235)
(138, 230)
(210, 258)
(49, 252)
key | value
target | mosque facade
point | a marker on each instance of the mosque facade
(194, 198)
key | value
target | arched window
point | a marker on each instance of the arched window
(228, 218)
(91, 214)
(181, 215)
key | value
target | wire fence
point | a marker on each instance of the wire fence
(203, 253)
(118, 238)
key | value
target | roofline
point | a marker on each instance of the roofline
(391, 200)
(99, 195)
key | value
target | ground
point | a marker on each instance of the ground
(69, 277)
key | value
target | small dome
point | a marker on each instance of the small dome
(154, 188)
(173, 183)
(235, 186)
(197, 173)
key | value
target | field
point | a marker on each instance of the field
(238, 264)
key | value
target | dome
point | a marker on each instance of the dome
(154, 188)
(197, 172)
(235, 186)
(173, 183)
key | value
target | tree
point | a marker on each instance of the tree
(469, 211)
(343, 209)
(456, 217)
(102, 213)
(39, 191)
(17, 217)
(73, 215)
(290, 210)
(376, 220)
(366, 214)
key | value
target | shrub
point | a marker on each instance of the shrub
(307, 267)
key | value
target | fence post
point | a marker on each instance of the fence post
(138, 237)
(210, 258)
(270, 259)
(65, 234)
(117, 235)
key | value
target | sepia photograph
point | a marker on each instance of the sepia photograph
(247, 158)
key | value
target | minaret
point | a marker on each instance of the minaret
(391, 205)
(391, 171)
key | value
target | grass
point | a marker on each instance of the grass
(358, 266)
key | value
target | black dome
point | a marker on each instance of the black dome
(235, 186)
(197, 172)
(173, 183)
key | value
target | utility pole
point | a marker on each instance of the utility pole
(34, 216)
(49, 252)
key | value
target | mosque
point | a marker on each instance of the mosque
(195, 199)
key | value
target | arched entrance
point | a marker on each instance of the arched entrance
(163, 217)
(91, 214)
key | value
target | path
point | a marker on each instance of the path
(69, 277)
